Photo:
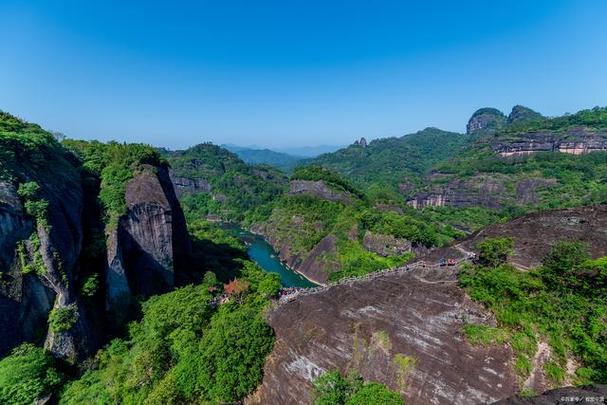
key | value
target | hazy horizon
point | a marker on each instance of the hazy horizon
(291, 75)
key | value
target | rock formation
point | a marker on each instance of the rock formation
(385, 245)
(521, 114)
(319, 189)
(185, 185)
(43, 228)
(404, 328)
(150, 242)
(575, 141)
(486, 120)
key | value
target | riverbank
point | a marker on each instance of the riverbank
(263, 254)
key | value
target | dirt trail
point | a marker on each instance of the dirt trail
(536, 379)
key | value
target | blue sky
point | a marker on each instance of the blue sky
(293, 73)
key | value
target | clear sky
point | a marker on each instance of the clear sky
(293, 73)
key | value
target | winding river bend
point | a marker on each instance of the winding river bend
(262, 253)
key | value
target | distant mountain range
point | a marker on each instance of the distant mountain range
(280, 160)
(285, 159)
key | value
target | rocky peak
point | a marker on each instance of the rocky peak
(362, 142)
(522, 114)
(150, 243)
(486, 120)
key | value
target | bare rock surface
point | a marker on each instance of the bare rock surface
(403, 328)
(591, 395)
(151, 241)
(385, 245)
(320, 190)
(400, 329)
(535, 234)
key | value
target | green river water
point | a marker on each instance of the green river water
(262, 253)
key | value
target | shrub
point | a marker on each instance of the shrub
(331, 388)
(494, 252)
(62, 319)
(27, 375)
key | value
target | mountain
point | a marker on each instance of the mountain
(394, 163)
(328, 229)
(456, 268)
(279, 160)
(539, 163)
(370, 206)
(308, 151)
(211, 180)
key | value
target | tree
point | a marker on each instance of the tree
(236, 287)
(375, 394)
(27, 375)
(331, 388)
(495, 251)
(562, 265)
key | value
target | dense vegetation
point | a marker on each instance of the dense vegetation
(387, 163)
(26, 148)
(239, 192)
(198, 343)
(332, 388)
(115, 164)
(595, 118)
(302, 221)
(562, 303)
(28, 374)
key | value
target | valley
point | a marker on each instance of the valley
(436, 267)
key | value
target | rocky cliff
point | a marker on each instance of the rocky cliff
(319, 189)
(486, 120)
(48, 240)
(40, 213)
(150, 244)
(404, 328)
(575, 141)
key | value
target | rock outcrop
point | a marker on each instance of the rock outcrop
(49, 243)
(486, 120)
(319, 189)
(40, 256)
(404, 328)
(482, 190)
(185, 185)
(385, 245)
(521, 115)
(575, 141)
(149, 245)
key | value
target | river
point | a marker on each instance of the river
(262, 253)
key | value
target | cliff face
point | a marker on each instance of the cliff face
(485, 120)
(404, 328)
(575, 141)
(24, 300)
(40, 258)
(150, 244)
(319, 189)
(49, 243)
(185, 185)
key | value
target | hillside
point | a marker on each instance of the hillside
(417, 331)
(211, 180)
(392, 164)
(94, 254)
(282, 161)
(327, 229)
(540, 163)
